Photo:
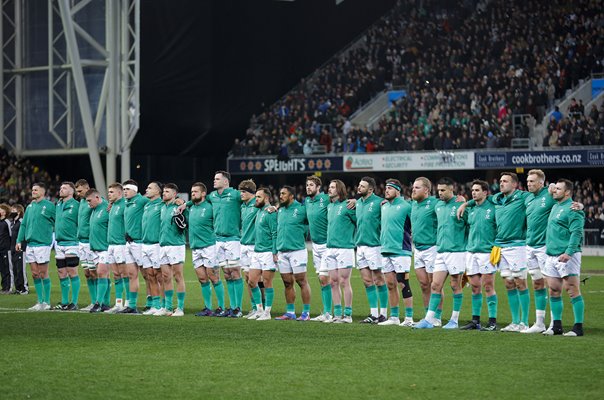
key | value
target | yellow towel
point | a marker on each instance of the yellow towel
(495, 255)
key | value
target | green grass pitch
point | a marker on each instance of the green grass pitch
(59, 355)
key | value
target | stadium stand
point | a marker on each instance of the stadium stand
(465, 76)
(17, 176)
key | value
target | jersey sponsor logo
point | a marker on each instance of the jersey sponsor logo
(295, 215)
(453, 211)
(560, 213)
(340, 210)
(488, 214)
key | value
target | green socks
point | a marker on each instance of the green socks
(256, 296)
(149, 302)
(46, 290)
(382, 292)
(306, 308)
(578, 309)
(408, 312)
(514, 302)
(169, 297)
(269, 293)
(92, 286)
(337, 310)
(434, 302)
(64, 283)
(126, 283)
(206, 294)
(348, 311)
(238, 286)
(132, 299)
(492, 306)
(394, 312)
(219, 290)
(372, 296)
(438, 312)
(102, 288)
(119, 289)
(327, 300)
(155, 302)
(39, 290)
(180, 300)
(107, 300)
(231, 290)
(290, 308)
(75, 289)
(476, 304)
(540, 299)
(557, 306)
(457, 301)
(525, 304)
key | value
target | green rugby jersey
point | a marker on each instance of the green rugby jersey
(316, 213)
(424, 223)
(538, 207)
(395, 215)
(151, 222)
(452, 233)
(84, 221)
(37, 224)
(66, 222)
(341, 224)
(564, 230)
(117, 229)
(510, 214)
(483, 227)
(265, 231)
(369, 218)
(99, 224)
(133, 216)
(170, 234)
(292, 226)
(227, 214)
(248, 221)
(201, 225)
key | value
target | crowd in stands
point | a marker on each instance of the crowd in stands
(17, 176)
(575, 129)
(467, 67)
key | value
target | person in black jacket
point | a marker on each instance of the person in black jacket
(18, 264)
(5, 236)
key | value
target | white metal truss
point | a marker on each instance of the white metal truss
(117, 106)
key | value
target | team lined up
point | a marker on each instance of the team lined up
(537, 232)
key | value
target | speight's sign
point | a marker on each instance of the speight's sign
(290, 165)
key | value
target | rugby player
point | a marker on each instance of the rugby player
(451, 254)
(292, 253)
(151, 226)
(395, 243)
(99, 224)
(247, 191)
(36, 231)
(341, 224)
(66, 247)
(84, 253)
(116, 238)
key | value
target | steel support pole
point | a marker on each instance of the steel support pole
(82, 95)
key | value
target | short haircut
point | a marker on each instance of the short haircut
(225, 174)
(425, 181)
(171, 186)
(116, 185)
(19, 208)
(340, 189)
(200, 185)
(92, 192)
(267, 192)
(81, 182)
(511, 175)
(394, 182)
(290, 189)
(314, 179)
(446, 181)
(159, 185)
(70, 184)
(130, 182)
(568, 185)
(370, 181)
(41, 185)
(248, 185)
(483, 185)
(537, 172)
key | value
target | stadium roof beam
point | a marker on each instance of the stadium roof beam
(93, 79)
